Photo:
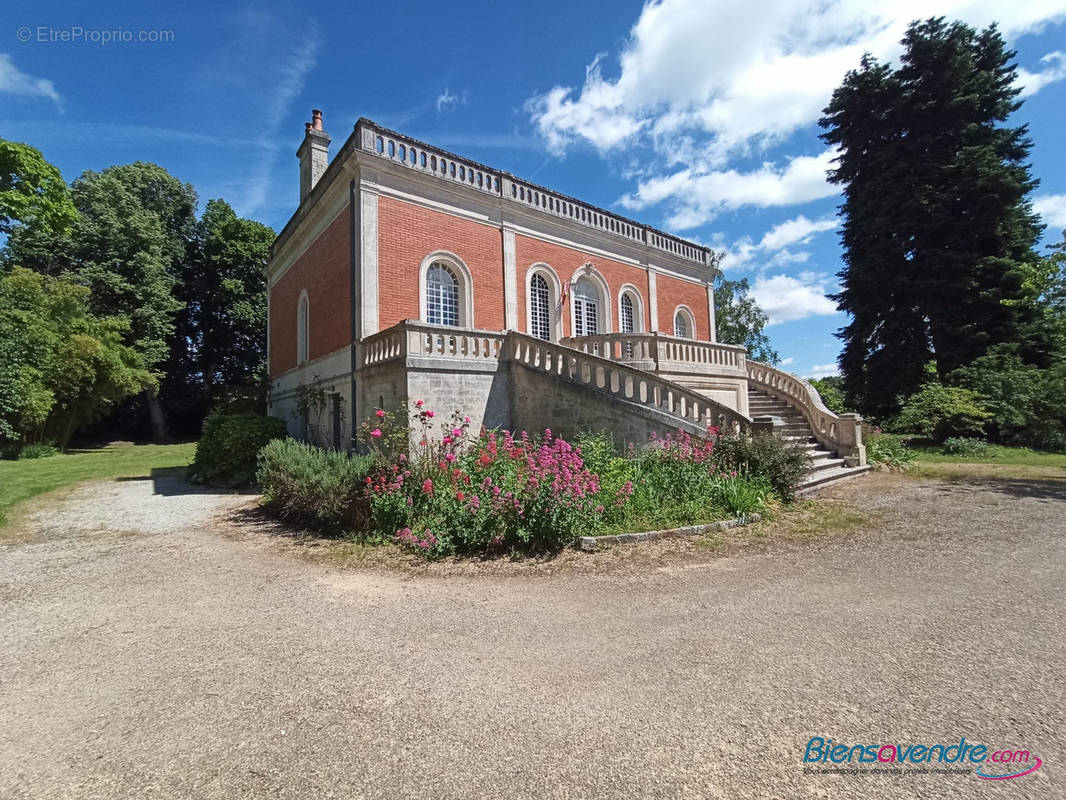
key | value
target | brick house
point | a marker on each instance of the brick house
(408, 272)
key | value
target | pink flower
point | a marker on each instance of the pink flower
(466, 420)
(446, 440)
(420, 403)
(427, 486)
(380, 413)
(450, 457)
(430, 414)
(376, 433)
(456, 432)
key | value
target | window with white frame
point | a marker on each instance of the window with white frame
(683, 324)
(540, 323)
(442, 296)
(586, 309)
(627, 318)
(302, 314)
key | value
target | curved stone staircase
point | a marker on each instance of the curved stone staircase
(826, 468)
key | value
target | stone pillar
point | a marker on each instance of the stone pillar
(710, 312)
(368, 260)
(653, 301)
(510, 282)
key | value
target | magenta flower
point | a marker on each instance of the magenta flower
(376, 433)
(380, 413)
(420, 403)
(427, 486)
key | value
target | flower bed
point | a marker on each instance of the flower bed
(443, 490)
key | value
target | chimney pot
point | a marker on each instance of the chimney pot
(316, 119)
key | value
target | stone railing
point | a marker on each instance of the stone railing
(615, 378)
(416, 339)
(425, 158)
(841, 433)
(662, 353)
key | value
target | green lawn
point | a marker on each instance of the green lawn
(21, 480)
(995, 454)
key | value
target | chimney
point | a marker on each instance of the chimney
(313, 154)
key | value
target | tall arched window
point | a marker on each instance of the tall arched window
(302, 314)
(684, 325)
(627, 320)
(586, 309)
(540, 323)
(442, 296)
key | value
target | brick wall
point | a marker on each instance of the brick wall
(566, 261)
(323, 271)
(672, 293)
(407, 233)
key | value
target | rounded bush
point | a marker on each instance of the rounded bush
(227, 451)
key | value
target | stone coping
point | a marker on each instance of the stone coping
(593, 543)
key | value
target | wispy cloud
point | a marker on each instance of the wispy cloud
(15, 81)
(446, 101)
(786, 298)
(1033, 82)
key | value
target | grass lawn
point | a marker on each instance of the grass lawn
(995, 454)
(21, 480)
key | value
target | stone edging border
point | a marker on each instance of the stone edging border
(592, 543)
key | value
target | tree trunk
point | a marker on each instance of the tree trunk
(155, 417)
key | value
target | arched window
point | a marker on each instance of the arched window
(684, 325)
(442, 296)
(302, 317)
(540, 314)
(626, 318)
(586, 308)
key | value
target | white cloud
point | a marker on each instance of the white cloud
(702, 81)
(697, 198)
(784, 362)
(786, 298)
(1052, 207)
(1033, 82)
(822, 371)
(15, 81)
(446, 101)
(795, 231)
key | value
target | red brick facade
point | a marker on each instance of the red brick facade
(323, 271)
(407, 233)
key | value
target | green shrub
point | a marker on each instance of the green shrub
(940, 412)
(741, 495)
(767, 456)
(888, 450)
(323, 489)
(227, 450)
(39, 450)
(964, 446)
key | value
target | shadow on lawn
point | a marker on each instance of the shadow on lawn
(171, 481)
(1040, 488)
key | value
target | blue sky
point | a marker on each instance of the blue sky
(697, 116)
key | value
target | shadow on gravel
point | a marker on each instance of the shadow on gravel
(1042, 489)
(171, 481)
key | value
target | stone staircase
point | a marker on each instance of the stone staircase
(826, 468)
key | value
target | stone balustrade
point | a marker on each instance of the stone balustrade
(841, 433)
(666, 354)
(425, 158)
(410, 338)
(621, 381)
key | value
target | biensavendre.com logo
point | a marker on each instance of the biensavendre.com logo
(959, 758)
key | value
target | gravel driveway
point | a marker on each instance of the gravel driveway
(146, 650)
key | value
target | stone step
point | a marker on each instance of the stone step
(823, 478)
(826, 464)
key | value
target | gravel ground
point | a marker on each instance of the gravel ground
(148, 651)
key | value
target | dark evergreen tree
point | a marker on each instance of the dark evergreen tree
(938, 235)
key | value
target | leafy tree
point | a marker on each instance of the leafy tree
(220, 341)
(60, 366)
(128, 245)
(938, 234)
(939, 412)
(830, 389)
(32, 190)
(739, 320)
